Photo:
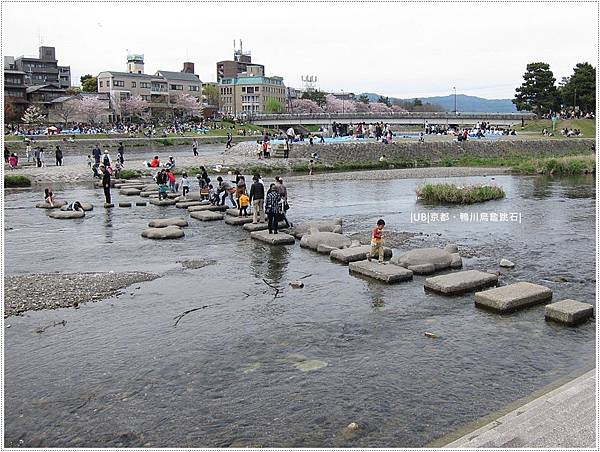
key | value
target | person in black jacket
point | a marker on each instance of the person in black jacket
(257, 198)
(106, 182)
(59, 156)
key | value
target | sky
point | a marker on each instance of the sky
(402, 50)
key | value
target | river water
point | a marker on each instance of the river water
(291, 371)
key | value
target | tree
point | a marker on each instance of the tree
(135, 107)
(89, 83)
(315, 95)
(10, 113)
(273, 106)
(385, 100)
(361, 107)
(580, 89)
(396, 108)
(33, 115)
(211, 94)
(538, 92)
(187, 105)
(379, 107)
(305, 106)
(363, 98)
(335, 105)
(73, 90)
(91, 107)
(417, 103)
(66, 110)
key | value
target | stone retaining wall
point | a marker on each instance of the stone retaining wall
(345, 152)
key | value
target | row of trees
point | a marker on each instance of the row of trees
(540, 94)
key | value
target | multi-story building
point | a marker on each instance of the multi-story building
(44, 69)
(159, 90)
(15, 90)
(240, 63)
(249, 94)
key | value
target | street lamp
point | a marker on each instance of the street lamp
(342, 101)
(454, 88)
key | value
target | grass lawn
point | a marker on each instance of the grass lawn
(587, 126)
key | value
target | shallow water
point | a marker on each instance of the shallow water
(251, 369)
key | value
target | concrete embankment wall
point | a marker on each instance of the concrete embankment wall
(434, 151)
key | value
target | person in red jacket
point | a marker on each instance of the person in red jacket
(377, 241)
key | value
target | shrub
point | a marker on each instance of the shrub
(449, 193)
(16, 181)
(130, 174)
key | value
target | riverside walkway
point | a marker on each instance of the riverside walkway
(562, 418)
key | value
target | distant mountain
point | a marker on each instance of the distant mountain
(463, 103)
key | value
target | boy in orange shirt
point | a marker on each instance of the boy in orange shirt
(377, 241)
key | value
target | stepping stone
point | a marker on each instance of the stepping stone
(424, 261)
(186, 204)
(233, 212)
(163, 202)
(45, 205)
(108, 206)
(513, 297)
(149, 187)
(570, 312)
(460, 282)
(191, 197)
(207, 207)
(334, 225)
(130, 191)
(355, 253)
(170, 232)
(141, 203)
(206, 215)
(164, 222)
(146, 194)
(66, 214)
(173, 195)
(85, 205)
(262, 226)
(237, 221)
(326, 239)
(280, 238)
(124, 204)
(387, 273)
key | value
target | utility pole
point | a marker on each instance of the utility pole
(454, 87)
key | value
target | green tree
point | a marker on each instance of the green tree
(315, 95)
(363, 98)
(273, 106)
(89, 83)
(538, 92)
(211, 94)
(417, 103)
(580, 89)
(385, 100)
(71, 91)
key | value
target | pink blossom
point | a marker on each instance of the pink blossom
(305, 106)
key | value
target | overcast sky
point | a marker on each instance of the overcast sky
(401, 50)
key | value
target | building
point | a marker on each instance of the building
(43, 95)
(249, 94)
(44, 69)
(159, 90)
(65, 109)
(241, 63)
(15, 91)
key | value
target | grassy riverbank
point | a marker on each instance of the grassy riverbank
(16, 181)
(587, 127)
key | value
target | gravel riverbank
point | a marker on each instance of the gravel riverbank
(35, 292)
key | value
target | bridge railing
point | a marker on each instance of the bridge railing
(391, 115)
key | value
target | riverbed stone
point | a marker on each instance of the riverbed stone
(173, 196)
(569, 312)
(169, 232)
(124, 204)
(206, 215)
(164, 222)
(460, 282)
(356, 253)
(297, 284)
(186, 204)
(237, 221)
(262, 226)
(45, 205)
(149, 187)
(147, 194)
(425, 261)
(315, 238)
(207, 207)
(280, 238)
(108, 205)
(386, 273)
(506, 263)
(456, 261)
(191, 197)
(451, 248)
(333, 225)
(163, 202)
(513, 297)
(66, 214)
(130, 191)
(141, 203)
(85, 205)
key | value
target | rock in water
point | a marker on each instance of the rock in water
(297, 284)
(164, 222)
(506, 263)
(431, 335)
(169, 232)
(352, 426)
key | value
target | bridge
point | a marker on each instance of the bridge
(399, 118)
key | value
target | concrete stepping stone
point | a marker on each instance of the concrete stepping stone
(262, 226)
(233, 212)
(130, 191)
(45, 205)
(206, 215)
(173, 195)
(191, 197)
(333, 225)
(141, 203)
(281, 238)
(170, 232)
(147, 194)
(569, 312)
(386, 273)
(124, 204)
(207, 207)
(513, 297)
(85, 205)
(186, 204)
(356, 253)
(164, 222)
(460, 282)
(237, 221)
(66, 214)
(424, 261)
(163, 202)
(108, 205)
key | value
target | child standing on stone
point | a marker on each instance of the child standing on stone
(244, 203)
(377, 241)
(185, 184)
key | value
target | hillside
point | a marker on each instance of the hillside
(464, 103)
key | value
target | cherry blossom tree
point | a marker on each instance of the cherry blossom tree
(333, 104)
(361, 107)
(187, 105)
(379, 107)
(135, 106)
(398, 109)
(305, 106)
(33, 115)
(91, 107)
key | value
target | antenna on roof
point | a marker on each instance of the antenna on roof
(241, 47)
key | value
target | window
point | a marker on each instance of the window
(250, 90)
(101, 84)
(145, 97)
(108, 83)
(193, 88)
(177, 87)
(120, 83)
(124, 96)
(133, 84)
(144, 85)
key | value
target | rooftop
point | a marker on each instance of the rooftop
(169, 75)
